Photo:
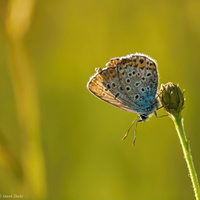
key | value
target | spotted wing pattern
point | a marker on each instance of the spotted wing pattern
(129, 83)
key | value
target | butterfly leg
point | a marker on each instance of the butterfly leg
(129, 128)
(139, 120)
(162, 107)
(155, 113)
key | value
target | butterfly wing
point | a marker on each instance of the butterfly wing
(139, 78)
(105, 84)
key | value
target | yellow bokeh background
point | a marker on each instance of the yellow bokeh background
(57, 141)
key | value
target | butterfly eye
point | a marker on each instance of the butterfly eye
(144, 117)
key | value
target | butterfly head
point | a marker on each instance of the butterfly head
(143, 117)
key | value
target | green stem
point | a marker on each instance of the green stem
(178, 121)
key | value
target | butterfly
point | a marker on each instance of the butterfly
(130, 83)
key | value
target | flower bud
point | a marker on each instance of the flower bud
(171, 98)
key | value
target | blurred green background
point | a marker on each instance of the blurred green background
(57, 141)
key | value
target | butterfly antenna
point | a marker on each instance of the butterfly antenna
(129, 129)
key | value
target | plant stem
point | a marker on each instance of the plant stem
(17, 23)
(178, 121)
